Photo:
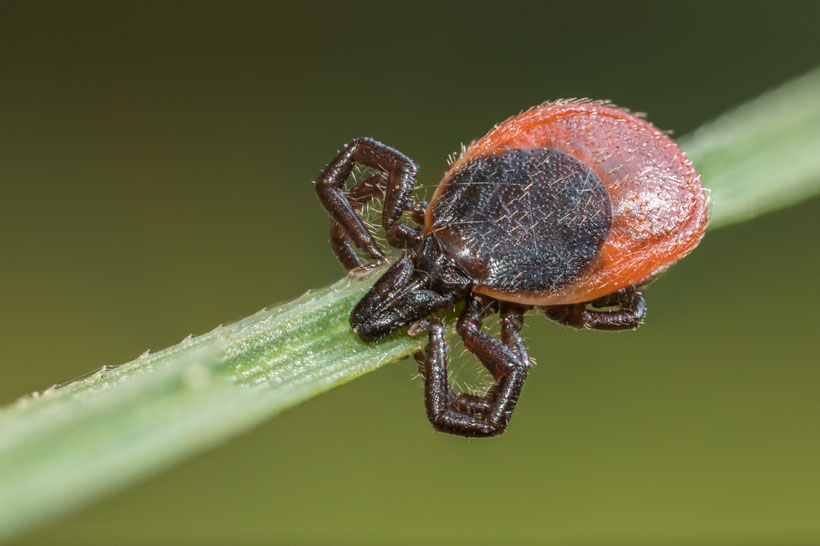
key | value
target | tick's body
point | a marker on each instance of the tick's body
(569, 207)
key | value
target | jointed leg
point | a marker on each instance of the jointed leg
(394, 184)
(363, 191)
(499, 357)
(398, 235)
(470, 415)
(629, 304)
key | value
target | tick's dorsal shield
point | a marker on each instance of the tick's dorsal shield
(521, 223)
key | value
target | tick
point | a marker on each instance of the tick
(569, 208)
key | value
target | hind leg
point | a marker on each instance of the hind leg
(628, 309)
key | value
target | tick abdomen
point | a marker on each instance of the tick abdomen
(521, 221)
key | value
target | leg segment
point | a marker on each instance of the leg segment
(363, 191)
(394, 184)
(470, 415)
(400, 235)
(437, 393)
(629, 305)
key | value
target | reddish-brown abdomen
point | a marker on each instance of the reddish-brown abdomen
(658, 204)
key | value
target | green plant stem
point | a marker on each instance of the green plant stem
(762, 156)
(66, 446)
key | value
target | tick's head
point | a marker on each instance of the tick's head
(396, 300)
(424, 281)
(377, 316)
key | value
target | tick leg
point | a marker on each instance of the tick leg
(470, 404)
(470, 415)
(403, 236)
(358, 196)
(341, 247)
(499, 357)
(418, 208)
(398, 175)
(629, 304)
(437, 392)
(399, 235)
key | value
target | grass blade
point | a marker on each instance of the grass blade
(762, 156)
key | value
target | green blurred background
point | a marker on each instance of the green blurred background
(156, 159)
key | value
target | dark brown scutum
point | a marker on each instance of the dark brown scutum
(522, 221)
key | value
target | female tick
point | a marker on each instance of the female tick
(569, 207)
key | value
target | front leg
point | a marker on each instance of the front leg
(358, 196)
(401, 235)
(629, 308)
(395, 183)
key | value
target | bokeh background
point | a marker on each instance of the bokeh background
(156, 160)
